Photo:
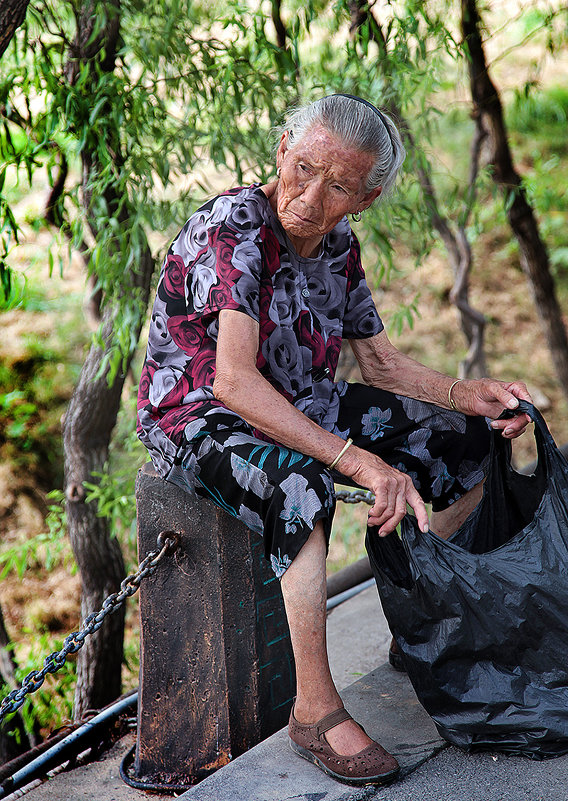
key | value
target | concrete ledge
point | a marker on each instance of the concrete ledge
(382, 701)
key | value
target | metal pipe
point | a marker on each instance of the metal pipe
(343, 585)
(67, 747)
(347, 594)
(349, 576)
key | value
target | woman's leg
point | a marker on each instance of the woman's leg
(443, 451)
(304, 591)
(447, 521)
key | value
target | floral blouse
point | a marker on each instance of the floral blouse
(234, 254)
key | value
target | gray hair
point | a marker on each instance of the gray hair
(357, 124)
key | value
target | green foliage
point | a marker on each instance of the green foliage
(30, 415)
(113, 488)
(44, 551)
(177, 93)
(51, 706)
(534, 109)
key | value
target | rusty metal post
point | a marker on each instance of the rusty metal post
(216, 669)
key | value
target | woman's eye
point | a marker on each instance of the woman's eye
(339, 188)
(304, 167)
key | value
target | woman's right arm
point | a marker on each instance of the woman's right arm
(241, 387)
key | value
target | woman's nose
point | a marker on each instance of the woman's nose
(313, 192)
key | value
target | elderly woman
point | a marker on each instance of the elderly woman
(238, 402)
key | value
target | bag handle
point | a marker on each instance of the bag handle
(548, 456)
(525, 407)
(544, 439)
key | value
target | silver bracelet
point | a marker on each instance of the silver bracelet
(450, 399)
(340, 454)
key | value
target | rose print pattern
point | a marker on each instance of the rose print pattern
(233, 254)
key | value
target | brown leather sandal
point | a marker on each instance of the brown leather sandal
(372, 765)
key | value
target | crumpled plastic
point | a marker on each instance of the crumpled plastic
(481, 620)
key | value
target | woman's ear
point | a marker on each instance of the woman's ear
(369, 198)
(282, 148)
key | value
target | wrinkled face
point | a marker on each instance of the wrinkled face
(321, 180)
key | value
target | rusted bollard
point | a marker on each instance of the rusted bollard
(216, 669)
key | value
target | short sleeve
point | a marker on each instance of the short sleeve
(226, 275)
(361, 319)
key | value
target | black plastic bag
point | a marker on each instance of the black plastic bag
(482, 620)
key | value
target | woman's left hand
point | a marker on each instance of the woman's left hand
(488, 398)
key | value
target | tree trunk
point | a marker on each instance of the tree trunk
(454, 237)
(533, 253)
(88, 426)
(89, 423)
(12, 14)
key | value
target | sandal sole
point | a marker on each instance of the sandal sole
(383, 778)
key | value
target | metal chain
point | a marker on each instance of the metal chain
(356, 496)
(167, 541)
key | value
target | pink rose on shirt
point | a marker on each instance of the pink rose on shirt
(271, 251)
(174, 276)
(312, 339)
(333, 349)
(202, 366)
(185, 334)
(224, 243)
(176, 420)
(220, 297)
(145, 382)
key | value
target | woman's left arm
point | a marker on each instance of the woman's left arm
(384, 366)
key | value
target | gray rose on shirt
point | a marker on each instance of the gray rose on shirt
(220, 209)
(285, 303)
(246, 216)
(193, 237)
(159, 338)
(286, 359)
(246, 257)
(163, 382)
(203, 278)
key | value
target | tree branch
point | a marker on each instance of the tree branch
(533, 252)
(12, 14)
(455, 241)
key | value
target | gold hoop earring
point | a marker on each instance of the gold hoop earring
(356, 216)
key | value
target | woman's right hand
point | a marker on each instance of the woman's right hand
(393, 490)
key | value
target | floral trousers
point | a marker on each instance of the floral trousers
(281, 493)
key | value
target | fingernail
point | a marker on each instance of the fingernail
(494, 424)
(513, 403)
(508, 431)
(425, 528)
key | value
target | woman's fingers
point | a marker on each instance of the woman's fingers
(392, 495)
(419, 507)
(513, 427)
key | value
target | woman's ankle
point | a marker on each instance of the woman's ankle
(307, 711)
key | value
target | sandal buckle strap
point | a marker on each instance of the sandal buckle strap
(331, 720)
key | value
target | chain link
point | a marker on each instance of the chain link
(167, 541)
(356, 496)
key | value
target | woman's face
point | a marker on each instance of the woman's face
(321, 180)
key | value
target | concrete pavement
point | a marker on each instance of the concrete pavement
(384, 702)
